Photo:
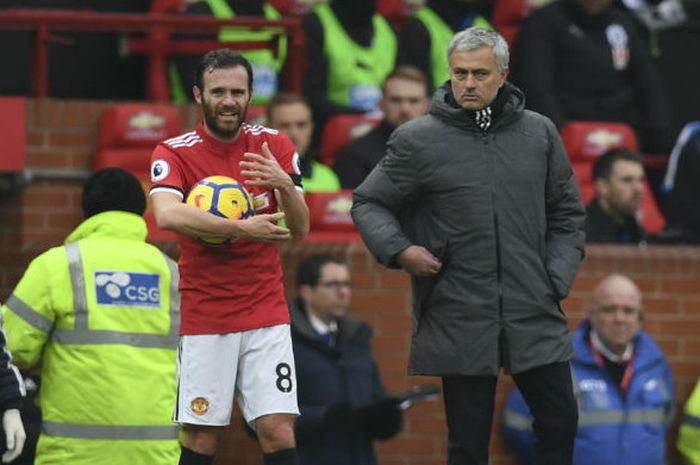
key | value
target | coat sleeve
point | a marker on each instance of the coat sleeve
(517, 428)
(565, 239)
(29, 314)
(385, 193)
(12, 389)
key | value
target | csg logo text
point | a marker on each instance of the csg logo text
(127, 289)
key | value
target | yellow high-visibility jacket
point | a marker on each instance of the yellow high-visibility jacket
(99, 318)
(689, 433)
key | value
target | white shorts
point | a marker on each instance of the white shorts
(257, 364)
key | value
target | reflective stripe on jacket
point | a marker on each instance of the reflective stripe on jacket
(100, 317)
(612, 429)
(356, 73)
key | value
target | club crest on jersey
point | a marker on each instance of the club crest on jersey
(127, 289)
(160, 169)
(199, 406)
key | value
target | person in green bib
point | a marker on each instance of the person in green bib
(351, 51)
(266, 66)
(291, 114)
(424, 39)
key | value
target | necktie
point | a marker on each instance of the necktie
(329, 338)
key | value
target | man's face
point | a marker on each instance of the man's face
(621, 193)
(403, 100)
(330, 297)
(224, 101)
(475, 77)
(295, 121)
(615, 313)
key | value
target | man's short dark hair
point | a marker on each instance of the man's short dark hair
(602, 168)
(113, 189)
(409, 73)
(284, 98)
(309, 270)
(222, 58)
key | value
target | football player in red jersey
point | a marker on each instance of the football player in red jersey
(235, 325)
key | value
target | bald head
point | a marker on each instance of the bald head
(615, 311)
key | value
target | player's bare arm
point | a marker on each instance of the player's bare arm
(263, 170)
(174, 215)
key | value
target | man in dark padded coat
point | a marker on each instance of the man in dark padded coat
(478, 202)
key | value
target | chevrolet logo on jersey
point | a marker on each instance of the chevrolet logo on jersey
(127, 289)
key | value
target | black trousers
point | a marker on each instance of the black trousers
(549, 393)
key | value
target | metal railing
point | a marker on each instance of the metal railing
(152, 35)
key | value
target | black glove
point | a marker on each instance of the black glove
(341, 417)
(383, 419)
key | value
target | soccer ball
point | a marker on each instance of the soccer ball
(221, 196)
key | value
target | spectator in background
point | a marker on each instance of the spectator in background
(585, 60)
(689, 433)
(622, 382)
(405, 96)
(99, 317)
(424, 39)
(611, 217)
(681, 188)
(291, 114)
(266, 67)
(352, 49)
(12, 396)
(344, 407)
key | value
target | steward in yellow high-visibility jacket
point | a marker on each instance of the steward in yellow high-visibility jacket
(99, 319)
(689, 433)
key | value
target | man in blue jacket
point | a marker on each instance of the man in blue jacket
(622, 382)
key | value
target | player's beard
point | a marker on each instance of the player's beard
(222, 131)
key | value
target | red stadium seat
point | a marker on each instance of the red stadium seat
(127, 135)
(339, 131)
(330, 217)
(508, 16)
(585, 141)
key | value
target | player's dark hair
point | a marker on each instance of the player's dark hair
(112, 189)
(222, 58)
(309, 270)
(602, 168)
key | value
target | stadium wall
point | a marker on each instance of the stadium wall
(61, 137)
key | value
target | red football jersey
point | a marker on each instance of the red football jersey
(238, 286)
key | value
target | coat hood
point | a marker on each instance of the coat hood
(645, 349)
(111, 224)
(510, 100)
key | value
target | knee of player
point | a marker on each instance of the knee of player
(200, 439)
(275, 432)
